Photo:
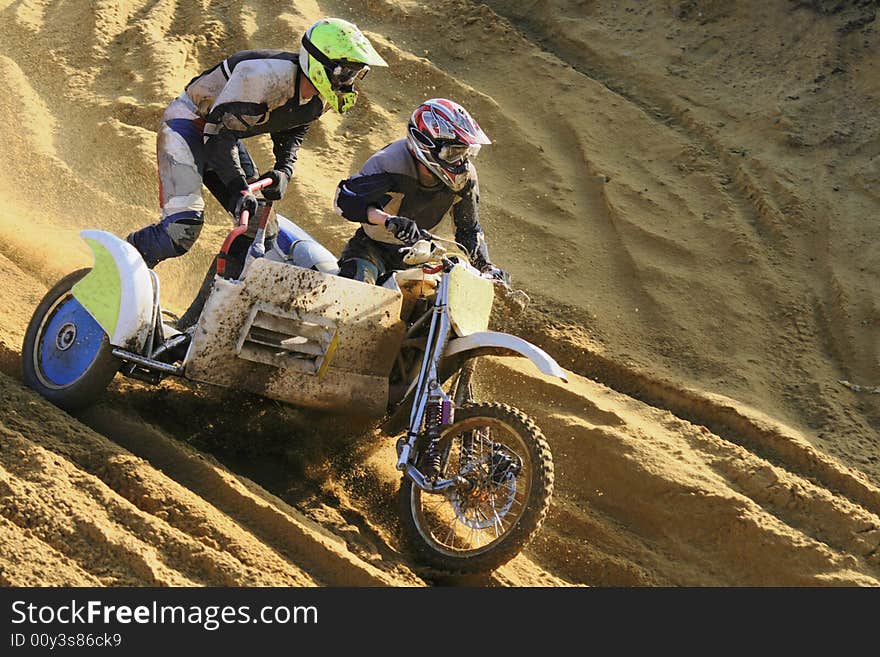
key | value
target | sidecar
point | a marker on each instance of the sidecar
(289, 330)
(300, 336)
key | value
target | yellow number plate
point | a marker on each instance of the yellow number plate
(470, 301)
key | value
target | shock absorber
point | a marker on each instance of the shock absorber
(433, 420)
(438, 413)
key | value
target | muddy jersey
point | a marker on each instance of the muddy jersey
(252, 92)
(389, 180)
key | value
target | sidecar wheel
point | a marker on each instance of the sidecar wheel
(66, 355)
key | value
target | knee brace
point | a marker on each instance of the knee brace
(359, 269)
(169, 238)
(183, 229)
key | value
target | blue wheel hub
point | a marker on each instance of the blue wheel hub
(68, 344)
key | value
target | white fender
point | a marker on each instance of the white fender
(503, 344)
(118, 292)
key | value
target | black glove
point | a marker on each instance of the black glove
(246, 201)
(276, 190)
(496, 273)
(404, 229)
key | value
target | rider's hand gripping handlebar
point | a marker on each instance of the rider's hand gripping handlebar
(427, 250)
(243, 226)
(423, 251)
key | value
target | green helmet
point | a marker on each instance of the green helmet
(335, 54)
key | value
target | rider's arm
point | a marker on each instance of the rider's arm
(285, 147)
(221, 156)
(468, 231)
(362, 197)
(376, 216)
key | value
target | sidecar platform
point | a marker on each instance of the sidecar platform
(299, 336)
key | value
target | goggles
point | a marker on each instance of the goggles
(456, 152)
(343, 75)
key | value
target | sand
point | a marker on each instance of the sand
(687, 191)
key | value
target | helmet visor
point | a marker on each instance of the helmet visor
(456, 152)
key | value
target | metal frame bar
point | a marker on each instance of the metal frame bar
(143, 361)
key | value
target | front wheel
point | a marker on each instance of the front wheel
(477, 527)
(66, 355)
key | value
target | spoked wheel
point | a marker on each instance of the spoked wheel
(479, 525)
(66, 355)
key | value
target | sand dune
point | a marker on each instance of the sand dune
(685, 189)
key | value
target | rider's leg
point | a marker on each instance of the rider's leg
(179, 153)
(237, 253)
(247, 162)
(359, 269)
(361, 259)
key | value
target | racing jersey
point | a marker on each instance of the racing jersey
(389, 180)
(249, 93)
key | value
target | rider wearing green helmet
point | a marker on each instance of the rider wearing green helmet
(251, 92)
(334, 54)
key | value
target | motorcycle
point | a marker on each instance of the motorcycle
(477, 477)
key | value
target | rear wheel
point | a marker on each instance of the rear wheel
(66, 355)
(477, 527)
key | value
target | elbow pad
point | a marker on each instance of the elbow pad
(354, 206)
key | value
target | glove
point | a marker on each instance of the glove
(276, 190)
(404, 229)
(496, 273)
(247, 201)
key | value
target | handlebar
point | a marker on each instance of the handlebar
(426, 250)
(431, 251)
(242, 226)
(252, 189)
(259, 184)
(426, 253)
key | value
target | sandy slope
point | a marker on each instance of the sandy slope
(685, 189)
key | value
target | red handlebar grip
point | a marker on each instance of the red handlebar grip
(242, 225)
(257, 186)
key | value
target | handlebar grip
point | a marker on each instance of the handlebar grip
(424, 236)
(260, 184)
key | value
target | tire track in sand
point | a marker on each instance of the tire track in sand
(726, 417)
(265, 516)
(657, 500)
(133, 524)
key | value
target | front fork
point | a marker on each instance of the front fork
(431, 406)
